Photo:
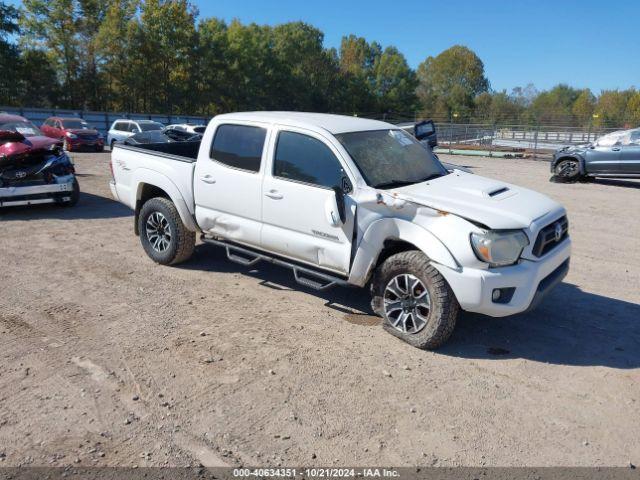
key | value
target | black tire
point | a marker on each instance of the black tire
(567, 171)
(100, 148)
(444, 307)
(74, 197)
(182, 241)
(111, 145)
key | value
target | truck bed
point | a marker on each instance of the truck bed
(183, 151)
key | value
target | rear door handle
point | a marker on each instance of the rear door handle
(274, 194)
(207, 179)
(615, 149)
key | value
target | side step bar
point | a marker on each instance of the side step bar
(303, 275)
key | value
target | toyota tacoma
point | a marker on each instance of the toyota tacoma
(348, 201)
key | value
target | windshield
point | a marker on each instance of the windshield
(27, 129)
(610, 139)
(76, 124)
(149, 126)
(390, 158)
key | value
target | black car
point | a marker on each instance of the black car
(616, 154)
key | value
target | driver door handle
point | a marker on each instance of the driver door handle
(615, 149)
(207, 179)
(274, 194)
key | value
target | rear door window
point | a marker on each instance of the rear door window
(306, 159)
(239, 146)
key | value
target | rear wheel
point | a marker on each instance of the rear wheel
(415, 301)
(163, 235)
(112, 144)
(567, 170)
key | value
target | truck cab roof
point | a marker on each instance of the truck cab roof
(334, 124)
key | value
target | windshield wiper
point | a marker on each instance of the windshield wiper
(393, 183)
(403, 183)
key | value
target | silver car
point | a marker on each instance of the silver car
(123, 128)
(616, 154)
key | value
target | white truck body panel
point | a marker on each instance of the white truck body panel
(297, 221)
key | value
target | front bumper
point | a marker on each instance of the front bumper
(36, 194)
(532, 280)
(85, 143)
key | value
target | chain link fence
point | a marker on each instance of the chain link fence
(101, 121)
(482, 139)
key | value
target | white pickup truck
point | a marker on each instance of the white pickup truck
(349, 201)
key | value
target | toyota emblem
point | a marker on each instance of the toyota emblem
(558, 232)
(21, 174)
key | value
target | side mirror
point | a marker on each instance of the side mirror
(426, 130)
(10, 136)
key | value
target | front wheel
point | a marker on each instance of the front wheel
(415, 301)
(567, 170)
(162, 233)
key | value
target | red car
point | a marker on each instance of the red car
(33, 141)
(33, 168)
(75, 133)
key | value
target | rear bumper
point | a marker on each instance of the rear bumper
(36, 194)
(530, 280)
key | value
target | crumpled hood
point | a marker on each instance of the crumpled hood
(496, 204)
(573, 149)
(29, 144)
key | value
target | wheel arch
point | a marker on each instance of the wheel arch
(388, 236)
(579, 158)
(156, 185)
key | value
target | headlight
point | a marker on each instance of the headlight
(499, 247)
(71, 135)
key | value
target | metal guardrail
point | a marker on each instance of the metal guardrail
(537, 142)
(101, 121)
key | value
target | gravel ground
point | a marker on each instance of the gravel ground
(109, 359)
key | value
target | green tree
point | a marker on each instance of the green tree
(612, 108)
(211, 80)
(449, 82)
(633, 109)
(113, 45)
(394, 83)
(584, 106)
(9, 55)
(555, 106)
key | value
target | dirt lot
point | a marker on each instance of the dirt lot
(109, 359)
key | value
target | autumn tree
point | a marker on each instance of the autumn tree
(584, 106)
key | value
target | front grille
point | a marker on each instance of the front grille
(548, 237)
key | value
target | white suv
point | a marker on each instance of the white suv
(123, 128)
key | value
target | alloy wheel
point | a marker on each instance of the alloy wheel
(407, 303)
(158, 232)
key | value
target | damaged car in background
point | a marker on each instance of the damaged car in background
(34, 169)
(615, 155)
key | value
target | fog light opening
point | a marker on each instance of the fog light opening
(502, 295)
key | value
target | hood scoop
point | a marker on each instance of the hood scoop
(498, 191)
